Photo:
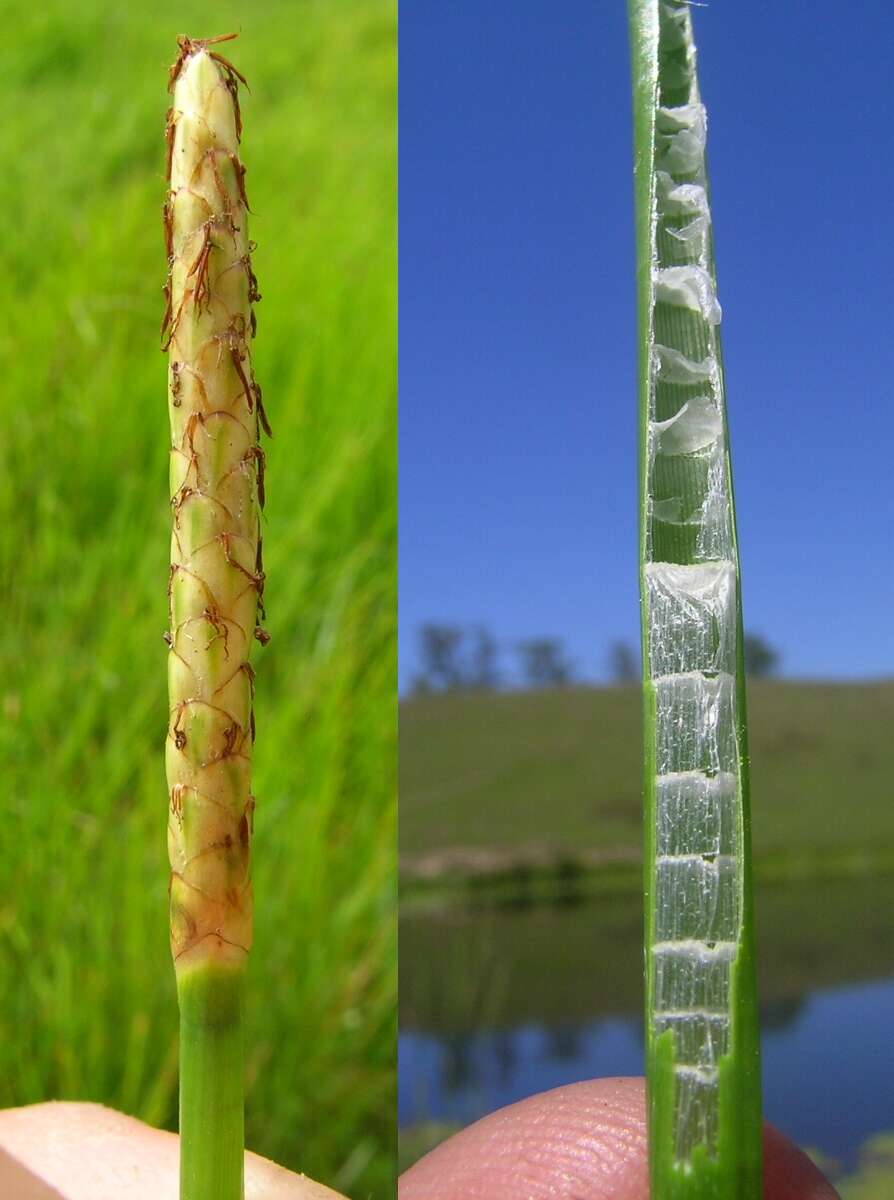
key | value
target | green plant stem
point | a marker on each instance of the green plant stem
(211, 1072)
(703, 1064)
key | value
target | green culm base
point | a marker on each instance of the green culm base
(212, 1122)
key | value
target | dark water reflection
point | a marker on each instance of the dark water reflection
(471, 1039)
(827, 1072)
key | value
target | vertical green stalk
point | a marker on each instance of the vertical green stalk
(215, 591)
(701, 1013)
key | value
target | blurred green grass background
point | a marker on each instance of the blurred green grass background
(87, 1000)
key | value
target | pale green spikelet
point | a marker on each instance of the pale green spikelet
(215, 590)
(216, 489)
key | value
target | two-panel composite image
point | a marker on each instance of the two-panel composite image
(446, 757)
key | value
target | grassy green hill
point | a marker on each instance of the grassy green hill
(87, 1001)
(525, 774)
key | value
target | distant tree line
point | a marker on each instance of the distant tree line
(453, 658)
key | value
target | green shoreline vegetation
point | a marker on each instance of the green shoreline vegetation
(523, 963)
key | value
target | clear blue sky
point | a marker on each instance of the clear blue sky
(517, 338)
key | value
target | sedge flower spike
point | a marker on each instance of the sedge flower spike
(216, 597)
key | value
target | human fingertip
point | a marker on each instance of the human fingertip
(584, 1139)
(790, 1174)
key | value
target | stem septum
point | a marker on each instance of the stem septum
(702, 1043)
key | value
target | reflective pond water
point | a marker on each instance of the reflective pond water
(498, 1005)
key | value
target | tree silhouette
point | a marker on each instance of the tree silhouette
(544, 663)
(624, 662)
(483, 671)
(761, 659)
(439, 646)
